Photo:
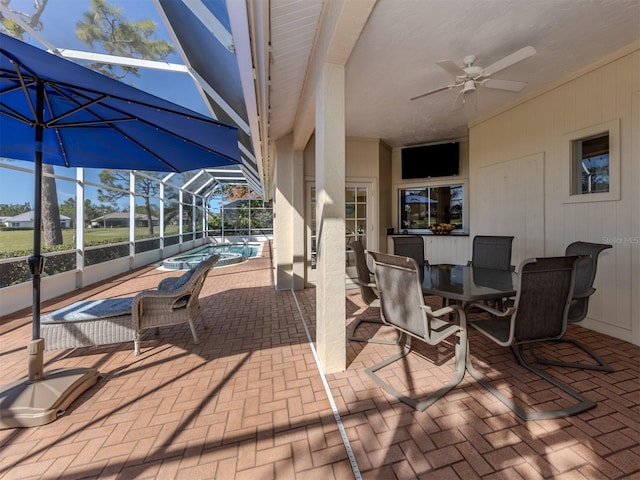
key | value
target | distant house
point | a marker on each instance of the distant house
(238, 203)
(121, 219)
(25, 220)
(232, 210)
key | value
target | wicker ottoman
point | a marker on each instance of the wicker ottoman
(87, 323)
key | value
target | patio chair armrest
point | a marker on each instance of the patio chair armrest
(161, 300)
(167, 284)
(497, 313)
(159, 295)
(438, 313)
(358, 282)
(585, 294)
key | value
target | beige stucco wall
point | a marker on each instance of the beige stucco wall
(362, 157)
(367, 160)
(517, 160)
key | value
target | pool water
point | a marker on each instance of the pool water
(230, 253)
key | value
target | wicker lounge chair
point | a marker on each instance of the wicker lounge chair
(117, 320)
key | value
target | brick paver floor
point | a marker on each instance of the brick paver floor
(249, 402)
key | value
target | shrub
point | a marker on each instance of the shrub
(99, 255)
(13, 273)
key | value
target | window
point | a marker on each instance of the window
(592, 163)
(356, 214)
(422, 207)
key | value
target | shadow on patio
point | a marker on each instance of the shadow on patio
(249, 402)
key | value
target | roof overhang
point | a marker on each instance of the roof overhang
(213, 40)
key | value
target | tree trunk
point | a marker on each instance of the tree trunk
(147, 205)
(50, 210)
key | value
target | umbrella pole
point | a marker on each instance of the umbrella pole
(40, 398)
(36, 261)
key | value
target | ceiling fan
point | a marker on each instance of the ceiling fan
(471, 76)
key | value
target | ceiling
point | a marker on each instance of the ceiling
(256, 61)
(395, 58)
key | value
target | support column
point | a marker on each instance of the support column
(330, 215)
(289, 217)
(283, 215)
(299, 231)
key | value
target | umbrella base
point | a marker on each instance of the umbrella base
(28, 403)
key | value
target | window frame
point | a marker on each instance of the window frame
(463, 183)
(611, 127)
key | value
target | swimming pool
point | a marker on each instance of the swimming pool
(230, 253)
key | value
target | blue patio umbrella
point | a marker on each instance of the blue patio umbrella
(57, 112)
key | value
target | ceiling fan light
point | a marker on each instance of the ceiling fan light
(469, 87)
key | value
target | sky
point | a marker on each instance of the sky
(59, 24)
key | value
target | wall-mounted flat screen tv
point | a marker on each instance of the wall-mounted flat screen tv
(438, 160)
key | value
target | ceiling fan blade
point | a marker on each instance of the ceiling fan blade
(433, 91)
(452, 68)
(509, 60)
(511, 85)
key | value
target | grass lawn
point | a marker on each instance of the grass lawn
(22, 240)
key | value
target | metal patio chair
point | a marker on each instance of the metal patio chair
(402, 306)
(369, 294)
(492, 252)
(539, 313)
(410, 246)
(585, 276)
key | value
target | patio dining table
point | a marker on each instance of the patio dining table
(466, 284)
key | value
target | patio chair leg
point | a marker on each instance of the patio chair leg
(601, 366)
(460, 355)
(196, 340)
(583, 402)
(352, 330)
(136, 345)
